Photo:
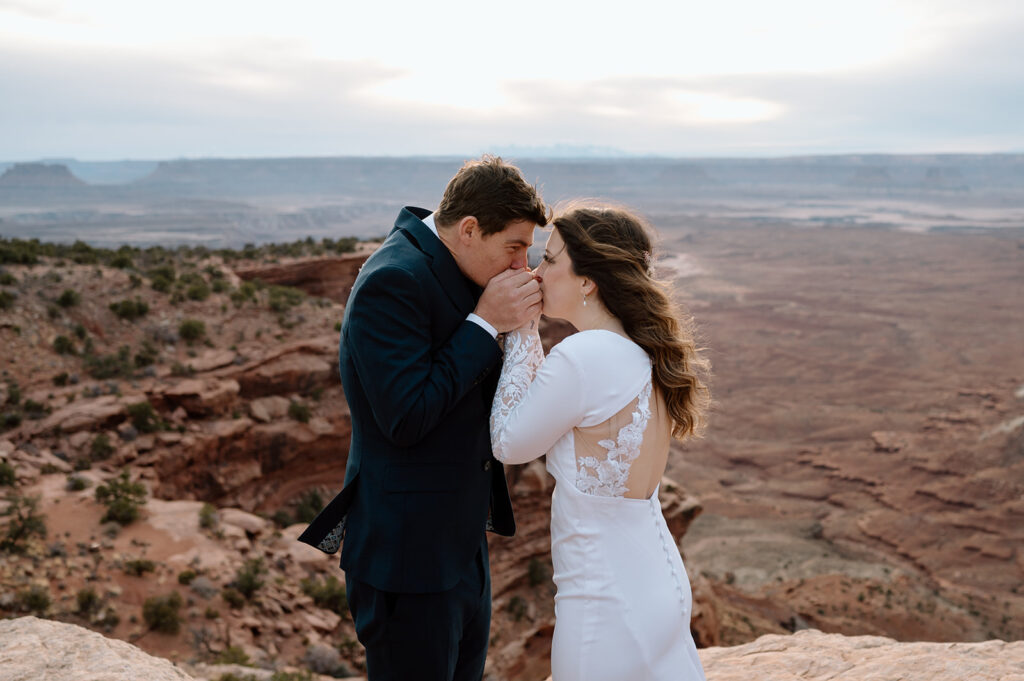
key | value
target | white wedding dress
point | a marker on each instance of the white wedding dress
(622, 609)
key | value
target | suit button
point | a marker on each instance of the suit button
(487, 465)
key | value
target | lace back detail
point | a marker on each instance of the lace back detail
(607, 476)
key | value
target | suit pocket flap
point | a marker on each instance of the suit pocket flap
(421, 477)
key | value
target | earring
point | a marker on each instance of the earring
(584, 299)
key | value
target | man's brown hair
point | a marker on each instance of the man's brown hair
(493, 192)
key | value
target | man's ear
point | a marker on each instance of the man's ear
(468, 229)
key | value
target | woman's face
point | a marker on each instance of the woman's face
(562, 289)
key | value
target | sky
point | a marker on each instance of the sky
(123, 79)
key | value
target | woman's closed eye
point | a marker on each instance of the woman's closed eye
(548, 259)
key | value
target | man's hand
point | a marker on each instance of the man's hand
(510, 300)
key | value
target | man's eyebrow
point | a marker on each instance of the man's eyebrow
(519, 242)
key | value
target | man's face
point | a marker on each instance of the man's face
(490, 255)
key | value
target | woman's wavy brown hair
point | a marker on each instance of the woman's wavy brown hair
(613, 247)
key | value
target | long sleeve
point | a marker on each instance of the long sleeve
(538, 400)
(409, 387)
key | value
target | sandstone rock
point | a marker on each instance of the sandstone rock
(202, 397)
(811, 655)
(35, 649)
(251, 523)
(212, 359)
(267, 409)
(88, 414)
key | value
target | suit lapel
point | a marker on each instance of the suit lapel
(462, 292)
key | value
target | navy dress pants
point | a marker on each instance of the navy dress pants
(425, 637)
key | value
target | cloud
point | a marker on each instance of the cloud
(261, 96)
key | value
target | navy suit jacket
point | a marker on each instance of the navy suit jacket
(421, 484)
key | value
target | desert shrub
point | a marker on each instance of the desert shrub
(211, 613)
(246, 291)
(248, 579)
(146, 355)
(121, 261)
(7, 300)
(162, 278)
(310, 503)
(34, 599)
(298, 411)
(13, 392)
(35, 410)
(329, 593)
(282, 518)
(294, 676)
(179, 369)
(200, 290)
(7, 475)
(280, 298)
(346, 244)
(76, 483)
(100, 449)
(82, 463)
(80, 332)
(109, 620)
(234, 655)
(123, 499)
(130, 309)
(110, 366)
(161, 613)
(191, 330)
(536, 572)
(19, 252)
(186, 576)
(25, 523)
(7, 279)
(137, 567)
(220, 286)
(88, 601)
(144, 417)
(233, 598)
(11, 419)
(63, 345)
(517, 607)
(61, 379)
(69, 298)
(207, 517)
(83, 254)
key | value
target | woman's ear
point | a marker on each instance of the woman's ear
(589, 286)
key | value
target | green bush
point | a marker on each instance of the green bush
(234, 655)
(198, 291)
(282, 518)
(69, 298)
(220, 286)
(35, 599)
(329, 594)
(186, 576)
(7, 300)
(80, 332)
(11, 419)
(207, 517)
(233, 598)
(298, 411)
(123, 499)
(191, 330)
(76, 483)
(7, 279)
(101, 449)
(147, 355)
(13, 392)
(161, 613)
(25, 523)
(121, 261)
(280, 298)
(130, 309)
(61, 379)
(7, 474)
(35, 410)
(137, 567)
(310, 504)
(63, 345)
(144, 417)
(110, 366)
(247, 579)
(179, 369)
(88, 601)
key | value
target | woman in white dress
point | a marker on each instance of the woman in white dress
(604, 406)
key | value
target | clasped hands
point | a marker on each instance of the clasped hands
(511, 299)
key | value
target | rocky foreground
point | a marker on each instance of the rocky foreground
(40, 649)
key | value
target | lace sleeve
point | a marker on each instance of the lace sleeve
(537, 400)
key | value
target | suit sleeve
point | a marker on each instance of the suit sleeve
(409, 386)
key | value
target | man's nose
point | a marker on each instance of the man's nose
(518, 261)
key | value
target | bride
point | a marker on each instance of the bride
(604, 406)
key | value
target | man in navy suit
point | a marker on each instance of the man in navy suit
(419, 361)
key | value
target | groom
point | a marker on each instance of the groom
(419, 364)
